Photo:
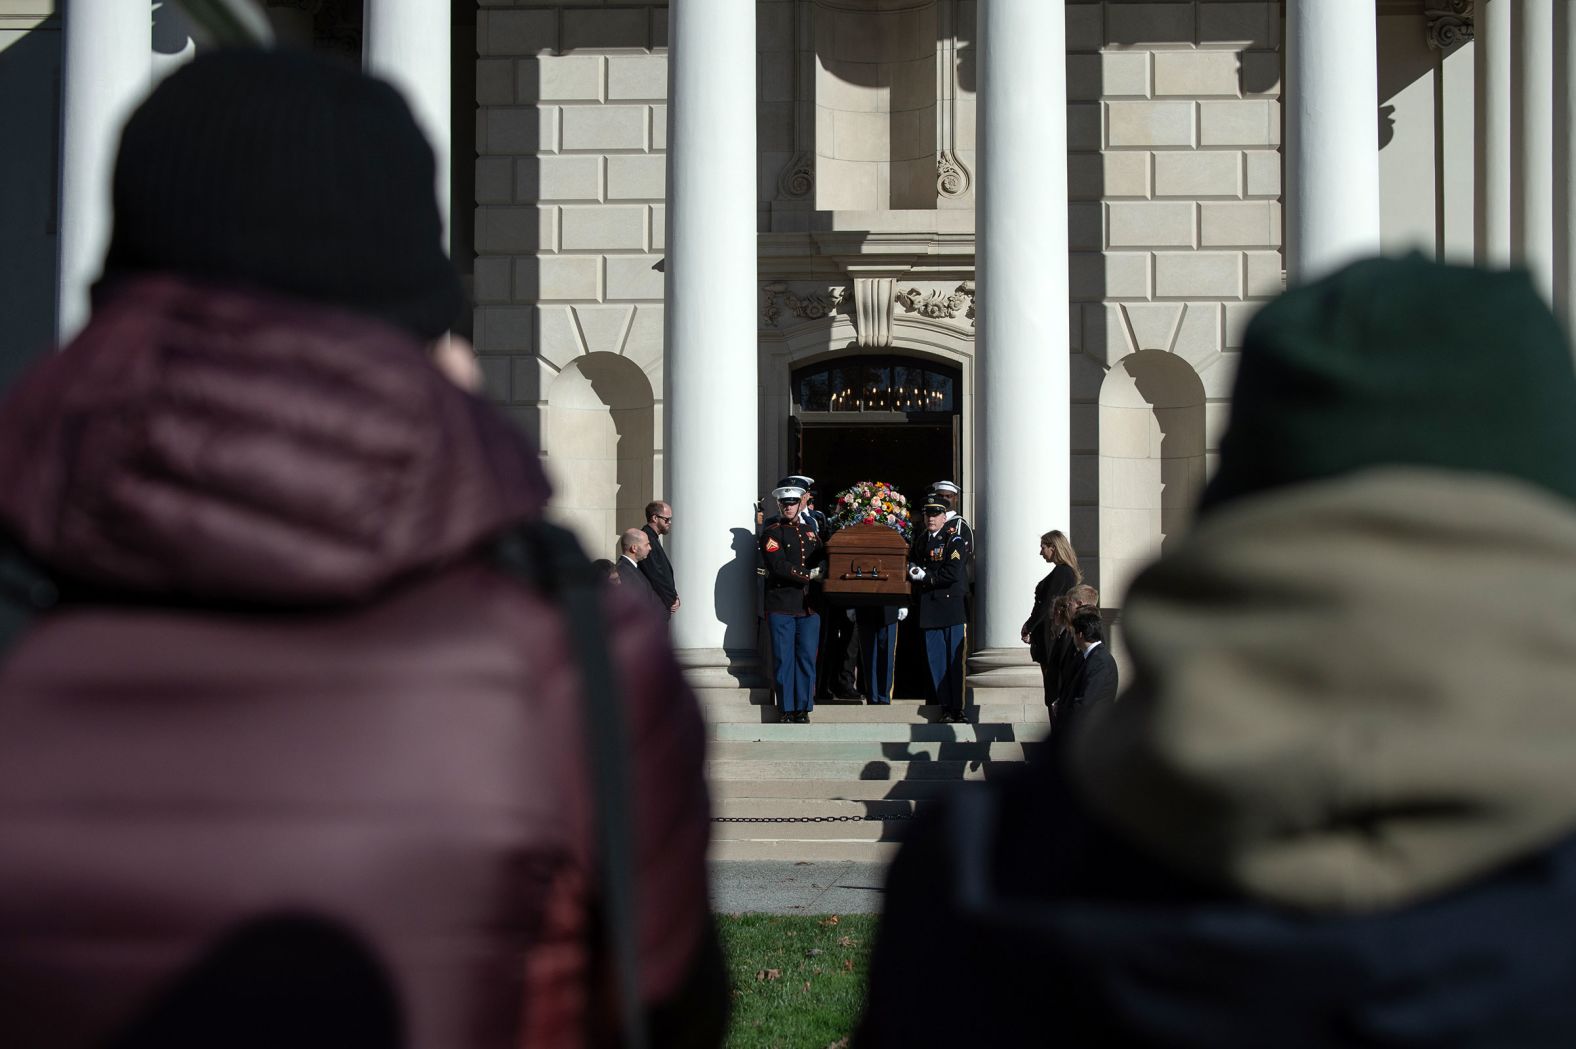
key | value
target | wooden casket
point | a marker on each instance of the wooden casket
(867, 564)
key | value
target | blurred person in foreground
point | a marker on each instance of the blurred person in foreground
(293, 746)
(1337, 806)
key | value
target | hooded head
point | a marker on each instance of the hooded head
(289, 173)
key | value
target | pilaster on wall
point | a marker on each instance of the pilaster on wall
(1174, 129)
(570, 174)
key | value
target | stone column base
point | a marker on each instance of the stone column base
(721, 668)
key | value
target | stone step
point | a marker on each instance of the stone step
(803, 851)
(873, 732)
(755, 807)
(841, 830)
(905, 752)
(788, 791)
(905, 713)
(949, 770)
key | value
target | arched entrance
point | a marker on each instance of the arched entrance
(878, 417)
(885, 417)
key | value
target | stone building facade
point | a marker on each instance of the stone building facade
(868, 236)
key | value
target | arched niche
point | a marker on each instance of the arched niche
(1151, 462)
(598, 440)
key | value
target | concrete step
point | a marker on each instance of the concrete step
(874, 732)
(950, 770)
(788, 792)
(804, 851)
(841, 830)
(906, 751)
(899, 712)
(799, 807)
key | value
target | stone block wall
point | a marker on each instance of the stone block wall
(1174, 174)
(571, 132)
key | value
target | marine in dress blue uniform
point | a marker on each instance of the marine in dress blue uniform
(940, 579)
(878, 649)
(793, 555)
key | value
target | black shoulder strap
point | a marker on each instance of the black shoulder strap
(550, 558)
(25, 590)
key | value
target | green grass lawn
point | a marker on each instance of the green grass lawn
(798, 981)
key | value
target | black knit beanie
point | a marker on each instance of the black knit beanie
(290, 172)
(1402, 362)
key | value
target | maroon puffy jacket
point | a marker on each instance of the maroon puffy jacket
(308, 692)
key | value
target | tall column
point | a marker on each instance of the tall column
(407, 43)
(1022, 291)
(710, 364)
(108, 58)
(1332, 135)
(1532, 136)
(1493, 127)
(1565, 166)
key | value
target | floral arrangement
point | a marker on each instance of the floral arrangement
(873, 502)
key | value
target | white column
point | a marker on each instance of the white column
(1332, 135)
(407, 43)
(1565, 166)
(108, 57)
(1493, 126)
(1532, 98)
(710, 406)
(1022, 291)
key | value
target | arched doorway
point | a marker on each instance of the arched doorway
(886, 417)
(1151, 462)
(598, 440)
(878, 417)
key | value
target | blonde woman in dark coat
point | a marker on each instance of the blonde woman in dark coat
(1057, 551)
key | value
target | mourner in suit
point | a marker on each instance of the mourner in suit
(633, 548)
(793, 554)
(1057, 551)
(1063, 661)
(940, 579)
(1096, 682)
(657, 569)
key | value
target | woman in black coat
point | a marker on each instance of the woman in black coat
(1057, 551)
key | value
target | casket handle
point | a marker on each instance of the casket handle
(865, 570)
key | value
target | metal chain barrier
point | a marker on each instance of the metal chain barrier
(813, 819)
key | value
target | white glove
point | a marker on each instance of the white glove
(902, 614)
(816, 573)
(916, 573)
(850, 615)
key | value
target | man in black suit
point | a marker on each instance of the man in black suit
(657, 569)
(633, 548)
(1096, 682)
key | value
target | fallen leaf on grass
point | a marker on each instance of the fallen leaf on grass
(841, 1043)
(829, 920)
(807, 985)
(812, 952)
(848, 965)
(847, 941)
(768, 974)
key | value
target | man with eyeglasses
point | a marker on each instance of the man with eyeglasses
(793, 555)
(657, 569)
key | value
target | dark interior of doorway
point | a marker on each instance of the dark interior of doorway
(910, 455)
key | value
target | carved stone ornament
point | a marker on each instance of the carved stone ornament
(810, 306)
(940, 305)
(1449, 22)
(873, 312)
(798, 178)
(952, 178)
